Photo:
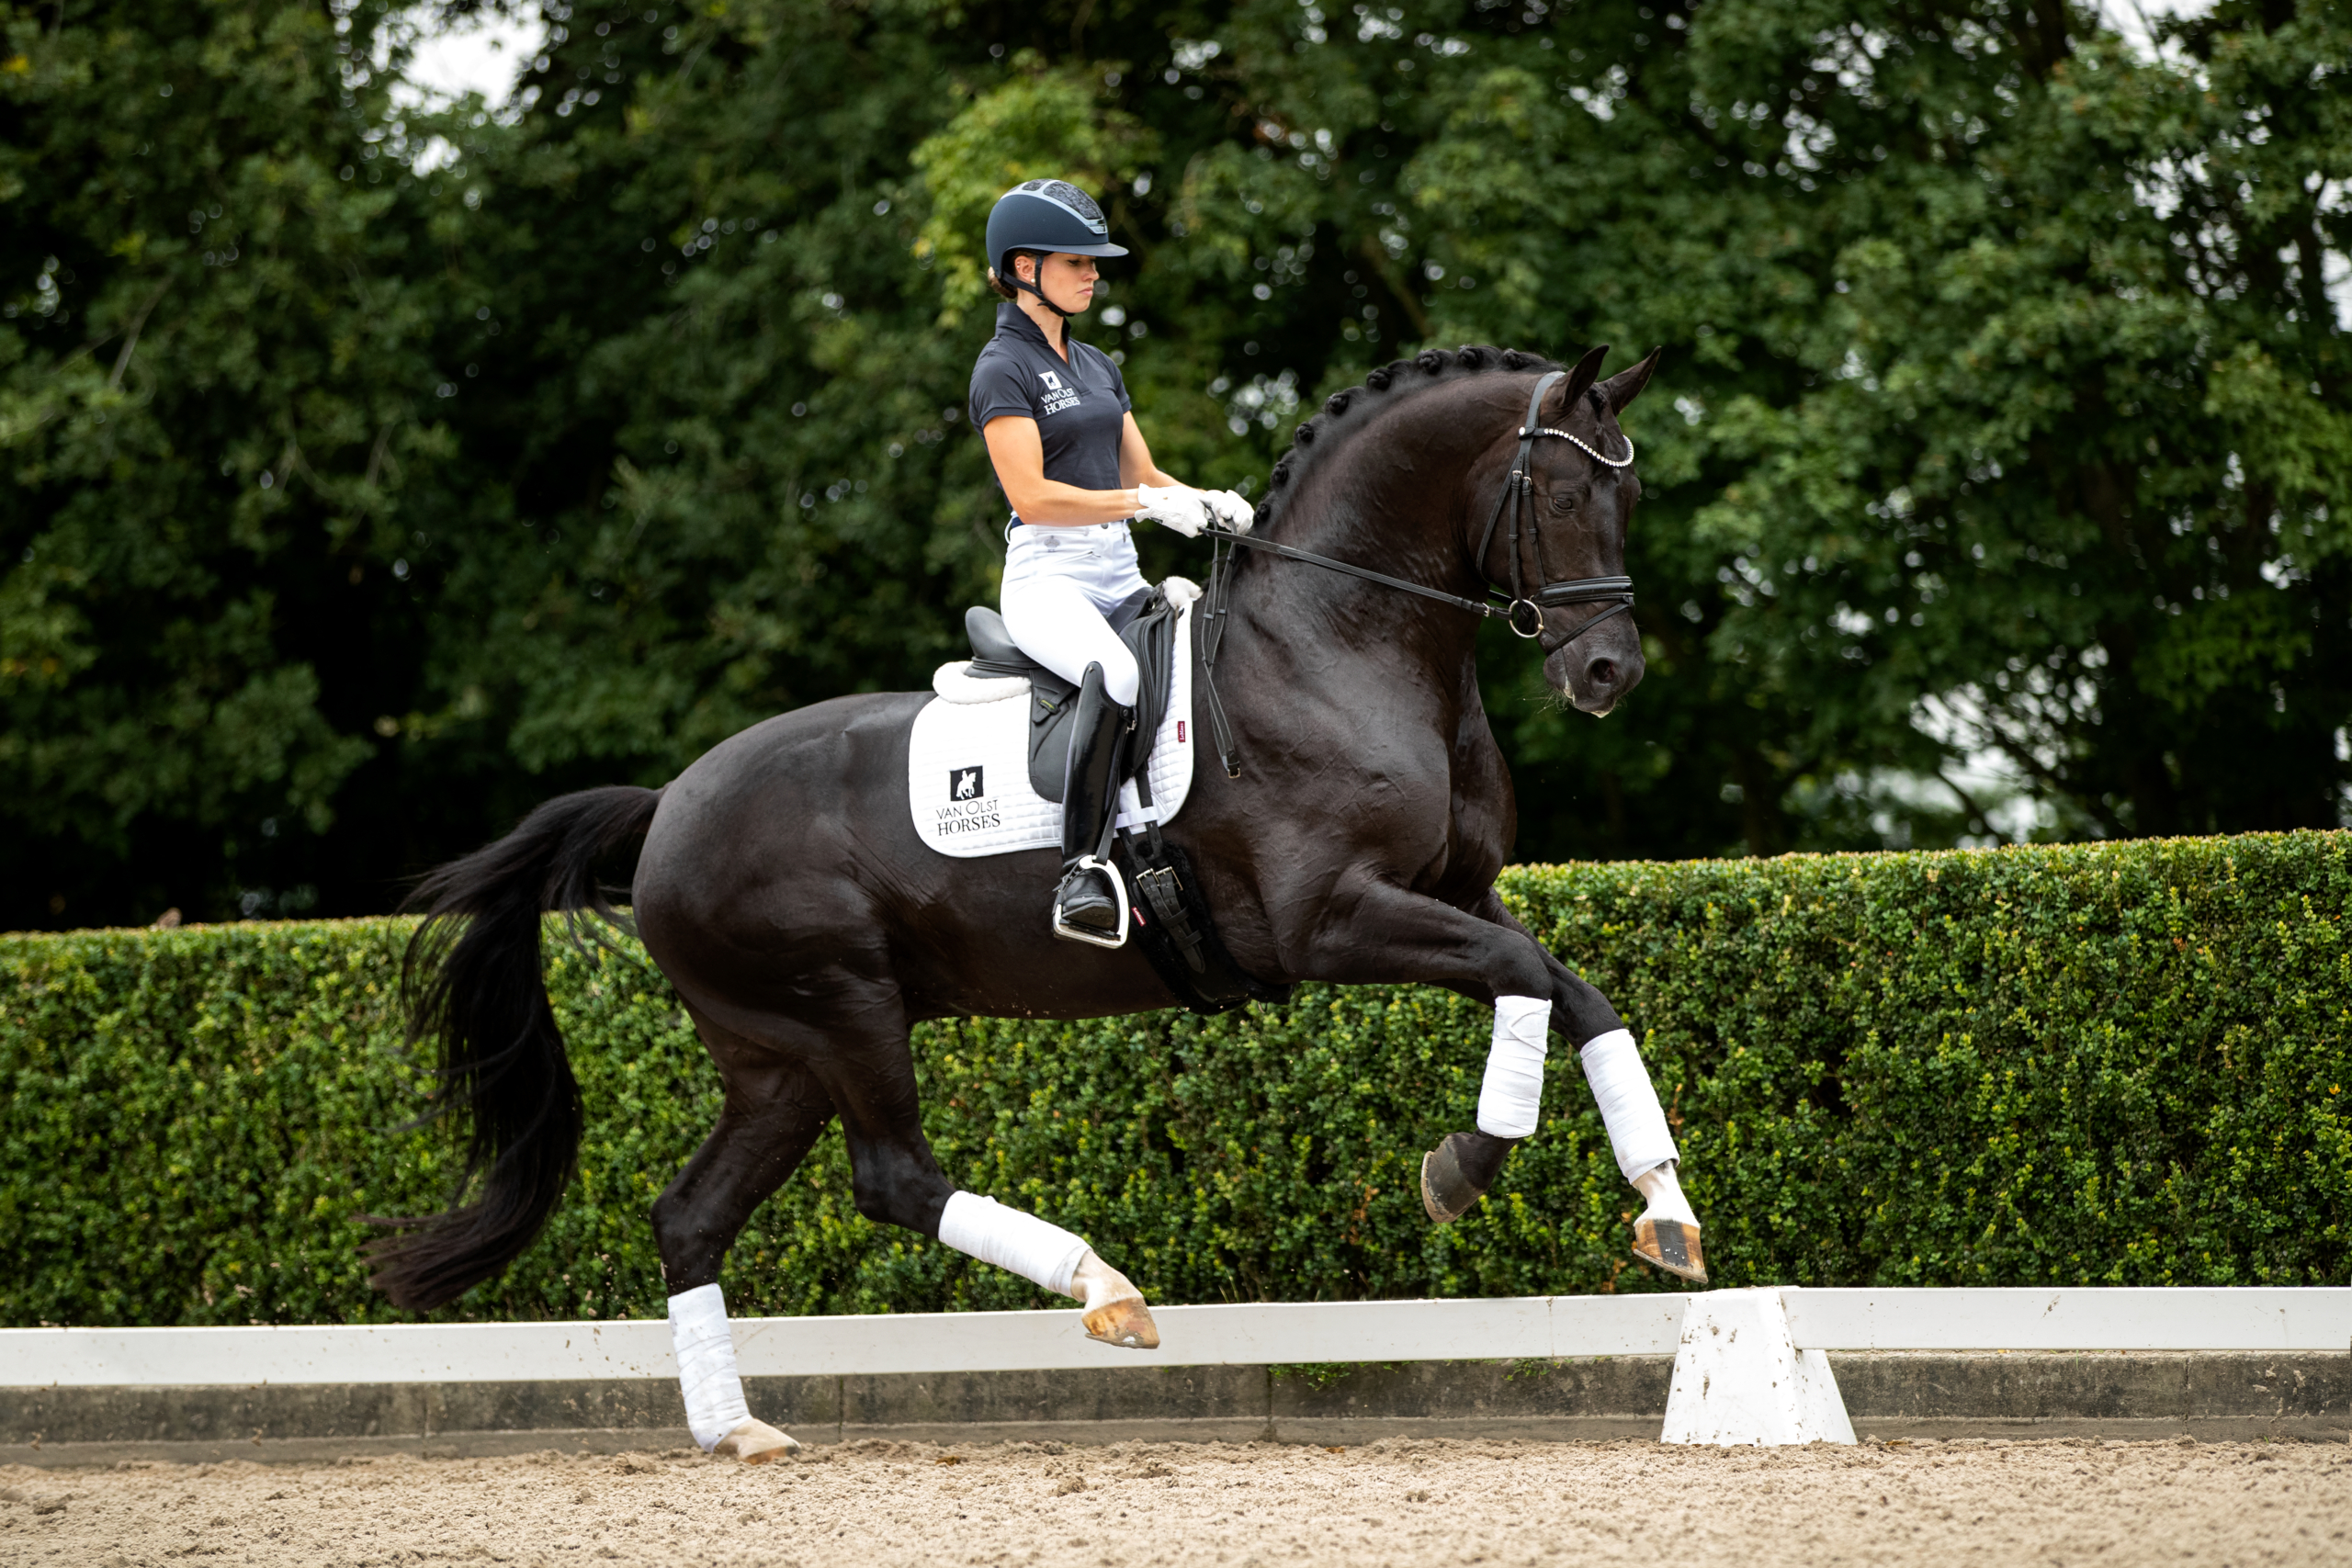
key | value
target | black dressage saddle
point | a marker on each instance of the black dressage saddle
(1146, 623)
(1171, 920)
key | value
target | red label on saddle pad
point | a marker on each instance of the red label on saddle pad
(1180, 733)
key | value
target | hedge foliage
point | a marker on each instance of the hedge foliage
(2113, 1064)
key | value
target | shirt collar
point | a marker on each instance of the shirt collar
(1010, 318)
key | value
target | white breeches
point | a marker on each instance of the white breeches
(1510, 1099)
(1059, 583)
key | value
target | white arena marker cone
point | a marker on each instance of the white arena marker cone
(1739, 1379)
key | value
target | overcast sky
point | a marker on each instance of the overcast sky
(484, 56)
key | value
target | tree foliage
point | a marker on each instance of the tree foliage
(373, 470)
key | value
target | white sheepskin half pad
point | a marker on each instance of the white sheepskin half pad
(956, 683)
(967, 764)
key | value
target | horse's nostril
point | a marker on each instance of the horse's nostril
(1603, 673)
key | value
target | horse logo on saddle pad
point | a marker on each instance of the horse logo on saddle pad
(976, 733)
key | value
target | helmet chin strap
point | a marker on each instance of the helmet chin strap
(1026, 287)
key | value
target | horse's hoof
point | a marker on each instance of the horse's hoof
(756, 1442)
(1125, 1322)
(1672, 1245)
(1447, 1190)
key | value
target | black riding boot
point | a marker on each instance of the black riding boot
(1086, 900)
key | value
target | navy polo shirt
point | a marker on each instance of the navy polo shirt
(1080, 404)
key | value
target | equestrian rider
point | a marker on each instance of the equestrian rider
(1074, 467)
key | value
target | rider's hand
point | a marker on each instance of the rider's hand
(1228, 511)
(1173, 506)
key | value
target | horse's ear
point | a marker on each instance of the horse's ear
(1626, 385)
(1581, 377)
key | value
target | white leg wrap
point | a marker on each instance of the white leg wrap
(707, 1365)
(1629, 1108)
(1032, 1248)
(1511, 1100)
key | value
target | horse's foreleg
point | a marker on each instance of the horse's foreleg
(1667, 1233)
(1395, 935)
(770, 1118)
(896, 1180)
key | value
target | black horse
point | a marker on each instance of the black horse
(782, 890)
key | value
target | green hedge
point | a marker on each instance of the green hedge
(2117, 1064)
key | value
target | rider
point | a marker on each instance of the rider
(1074, 467)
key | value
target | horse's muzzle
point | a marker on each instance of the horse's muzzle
(1596, 678)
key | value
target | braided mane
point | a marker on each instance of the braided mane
(1427, 368)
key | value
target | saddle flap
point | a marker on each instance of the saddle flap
(1146, 624)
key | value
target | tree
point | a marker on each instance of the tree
(1992, 474)
(215, 397)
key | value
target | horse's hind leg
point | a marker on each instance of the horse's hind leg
(896, 1179)
(774, 1113)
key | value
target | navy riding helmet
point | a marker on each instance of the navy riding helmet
(1050, 216)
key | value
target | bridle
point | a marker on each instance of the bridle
(1517, 498)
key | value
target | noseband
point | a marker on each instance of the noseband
(1518, 493)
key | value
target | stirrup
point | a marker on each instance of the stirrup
(1068, 932)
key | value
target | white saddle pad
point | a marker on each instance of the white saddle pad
(967, 763)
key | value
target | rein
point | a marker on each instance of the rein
(1617, 593)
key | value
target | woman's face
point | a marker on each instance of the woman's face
(1066, 280)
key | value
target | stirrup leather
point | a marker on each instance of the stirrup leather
(1068, 932)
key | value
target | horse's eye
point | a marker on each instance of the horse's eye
(1563, 502)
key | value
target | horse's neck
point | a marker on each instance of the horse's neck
(1393, 500)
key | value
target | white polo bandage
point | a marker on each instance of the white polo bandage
(1511, 1100)
(1629, 1108)
(707, 1365)
(1036, 1250)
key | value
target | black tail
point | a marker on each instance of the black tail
(471, 978)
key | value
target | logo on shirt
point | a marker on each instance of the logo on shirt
(1058, 397)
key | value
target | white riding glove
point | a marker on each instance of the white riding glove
(1172, 506)
(1228, 511)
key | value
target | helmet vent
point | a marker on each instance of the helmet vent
(1063, 193)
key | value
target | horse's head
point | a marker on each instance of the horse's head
(1582, 491)
(1430, 445)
